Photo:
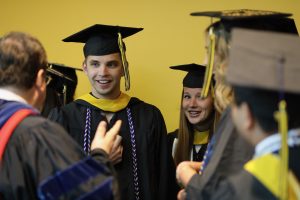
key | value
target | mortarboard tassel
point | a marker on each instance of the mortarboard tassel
(208, 71)
(282, 119)
(124, 62)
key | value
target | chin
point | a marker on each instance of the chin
(195, 121)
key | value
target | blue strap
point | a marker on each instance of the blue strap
(65, 181)
(101, 192)
(8, 108)
(208, 153)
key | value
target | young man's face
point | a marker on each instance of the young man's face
(195, 108)
(242, 120)
(104, 74)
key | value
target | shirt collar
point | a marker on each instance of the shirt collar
(10, 96)
(272, 143)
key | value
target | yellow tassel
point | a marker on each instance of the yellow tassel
(209, 68)
(282, 119)
(124, 62)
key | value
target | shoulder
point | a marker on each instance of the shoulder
(173, 135)
(40, 132)
(38, 122)
(136, 103)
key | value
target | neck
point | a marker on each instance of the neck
(111, 96)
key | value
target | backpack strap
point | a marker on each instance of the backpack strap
(9, 127)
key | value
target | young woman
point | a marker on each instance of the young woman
(189, 141)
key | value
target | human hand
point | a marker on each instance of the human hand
(115, 155)
(181, 195)
(185, 170)
(105, 139)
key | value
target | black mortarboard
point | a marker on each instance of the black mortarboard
(61, 86)
(102, 39)
(252, 19)
(243, 18)
(195, 76)
(240, 13)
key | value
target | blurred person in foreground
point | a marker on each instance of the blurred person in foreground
(38, 159)
(228, 151)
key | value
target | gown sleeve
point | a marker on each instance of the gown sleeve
(168, 187)
(39, 149)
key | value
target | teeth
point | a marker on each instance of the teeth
(103, 81)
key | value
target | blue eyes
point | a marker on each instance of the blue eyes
(109, 65)
(189, 97)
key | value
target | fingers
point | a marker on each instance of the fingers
(105, 140)
(101, 130)
(116, 156)
(195, 165)
(185, 170)
(181, 195)
(113, 132)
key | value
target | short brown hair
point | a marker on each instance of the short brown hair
(21, 57)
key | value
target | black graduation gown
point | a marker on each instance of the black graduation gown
(230, 153)
(37, 149)
(196, 156)
(155, 166)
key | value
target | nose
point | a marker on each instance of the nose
(103, 70)
(193, 102)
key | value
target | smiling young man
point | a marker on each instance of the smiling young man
(140, 159)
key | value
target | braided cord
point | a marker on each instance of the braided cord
(134, 156)
(87, 133)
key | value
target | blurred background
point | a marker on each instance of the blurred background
(170, 37)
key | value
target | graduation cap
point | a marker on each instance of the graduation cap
(240, 14)
(102, 39)
(256, 55)
(195, 76)
(61, 85)
(268, 61)
(242, 18)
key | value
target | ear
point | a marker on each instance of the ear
(40, 81)
(247, 116)
(84, 66)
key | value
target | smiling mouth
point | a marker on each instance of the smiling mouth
(194, 113)
(103, 81)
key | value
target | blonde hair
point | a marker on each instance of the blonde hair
(223, 91)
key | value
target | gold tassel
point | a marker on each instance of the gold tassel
(282, 119)
(209, 67)
(124, 62)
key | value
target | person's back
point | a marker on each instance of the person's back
(228, 151)
(141, 159)
(37, 156)
(265, 112)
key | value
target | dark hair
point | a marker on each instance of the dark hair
(21, 57)
(264, 103)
